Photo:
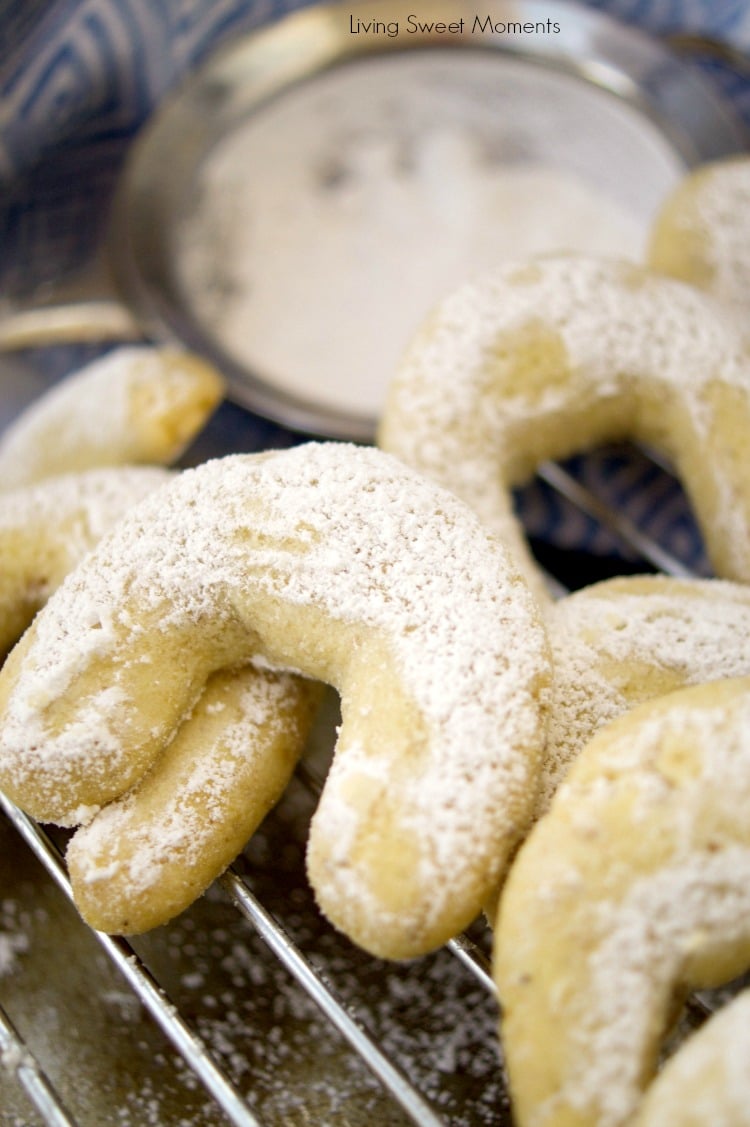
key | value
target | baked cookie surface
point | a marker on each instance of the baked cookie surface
(342, 564)
(633, 889)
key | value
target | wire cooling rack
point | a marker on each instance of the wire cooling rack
(249, 1009)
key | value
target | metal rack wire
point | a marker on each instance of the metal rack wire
(363, 1042)
(164, 1013)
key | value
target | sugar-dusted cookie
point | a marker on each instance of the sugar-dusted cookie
(46, 529)
(544, 358)
(231, 758)
(137, 404)
(341, 563)
(632, 889)
(619, 643)
(145, 857)
(226, 766)
(707, 1081)
(702, 232)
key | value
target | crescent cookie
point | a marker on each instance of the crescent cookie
(46, 529)
(229, 761)
(707, 1081)
(632, 890)
(542, 359)
(621, 642)
(137, 404)
(338, 562)
(702, 235)
(145, 857)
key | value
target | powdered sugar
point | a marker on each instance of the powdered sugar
(299, 260)
(539, 359)
(84, 504)
(46, 529)
(703, 899)
(141, 839)
(133, 405)
(642, 870)
(351, 540)
(14, 940)
(326, 225)
(618, 643)
(618, 324)
(721, 203)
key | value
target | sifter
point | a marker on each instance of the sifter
(293, 209)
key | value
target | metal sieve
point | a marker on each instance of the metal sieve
(536, 85)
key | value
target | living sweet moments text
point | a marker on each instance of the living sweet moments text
(412, 24)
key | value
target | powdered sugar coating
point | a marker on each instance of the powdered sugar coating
(259, 701)
(46, 529)
(147, 856)
(134, 405)
(702, 234)
(340, 562)
(90, 500)
(543, 358)
(632, 889)
(619, 643)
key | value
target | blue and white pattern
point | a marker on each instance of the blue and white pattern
(726, 20)
(92, 69)
(77, 79)
(80, 79)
